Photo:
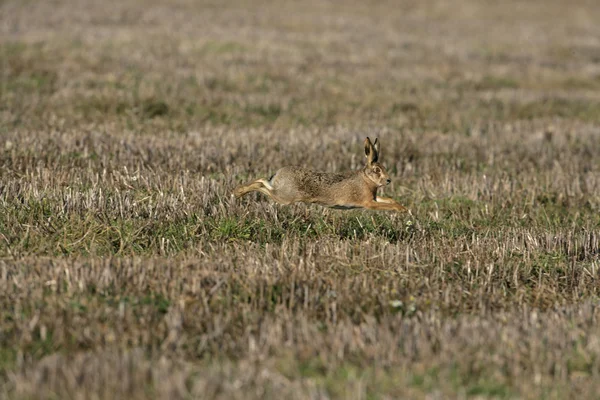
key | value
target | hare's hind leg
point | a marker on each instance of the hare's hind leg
(259, 185)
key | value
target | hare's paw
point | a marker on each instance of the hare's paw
(400, 208)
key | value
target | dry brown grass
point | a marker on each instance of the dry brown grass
(127, 269)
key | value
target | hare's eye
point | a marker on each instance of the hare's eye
(376, 170)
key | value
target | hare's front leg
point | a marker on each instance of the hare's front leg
(385, 204)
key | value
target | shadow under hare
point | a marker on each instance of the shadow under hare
(356, 189)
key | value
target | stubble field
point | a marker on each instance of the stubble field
(127, 270)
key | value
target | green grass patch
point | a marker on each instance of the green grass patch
(491, 82)
(8, 360)
(212, 48)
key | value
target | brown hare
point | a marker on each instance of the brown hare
(357, 189)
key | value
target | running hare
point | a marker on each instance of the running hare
(349, 190)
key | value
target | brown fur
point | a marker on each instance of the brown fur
(356, 189)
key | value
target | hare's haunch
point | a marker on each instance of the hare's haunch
(357, 189)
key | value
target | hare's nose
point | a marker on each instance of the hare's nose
(388, 181)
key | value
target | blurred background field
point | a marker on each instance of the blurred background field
(128, 271)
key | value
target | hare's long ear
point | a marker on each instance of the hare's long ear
(369, 151)
(376, 147)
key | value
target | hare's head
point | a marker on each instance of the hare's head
(373, 169)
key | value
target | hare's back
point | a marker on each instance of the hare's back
(305, 182)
